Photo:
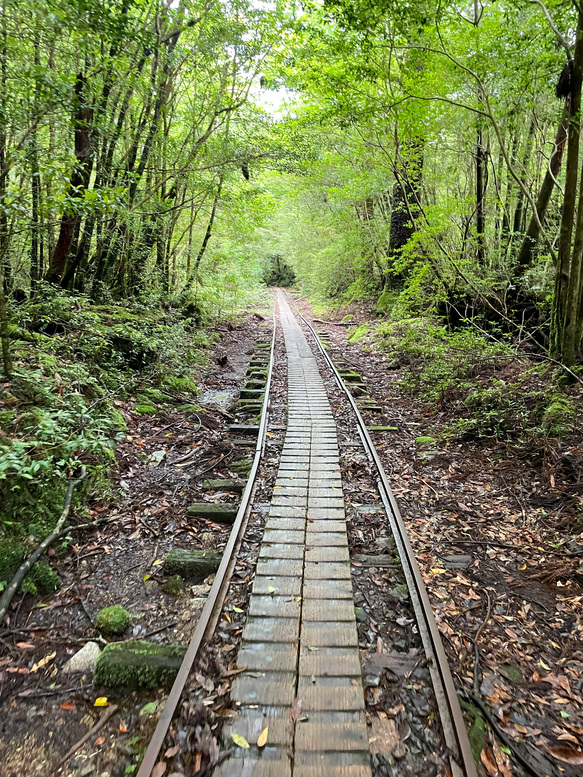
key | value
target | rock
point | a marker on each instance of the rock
(84, 660)
(220, 513)
(373, 508)
(194, 564)
(400, 592)
(138, 664)
(112, 620)
(174, 586)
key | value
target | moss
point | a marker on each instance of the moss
(152, 395)
(118, 420)
(44, 578)
(195, 564)
(425, 440)
(174, 586)
(145, 409)
(182, 384)
(11, 555)
(138, 664)
(6, 419)
(112, 620)
(558, 417)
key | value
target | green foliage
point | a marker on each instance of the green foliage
(277, 272)
(42, 579)
(112, 620)
(358, 333)
(477, 382)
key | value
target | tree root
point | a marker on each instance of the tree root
(28, 563)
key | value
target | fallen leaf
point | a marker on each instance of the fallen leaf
(487, 759)
(296, 709)
(25, 645)
(123, 728)
(44, 661)
(566, 754)
(68, 705)
(237, 609)
(240, 741)
(100, 740)
(171, 752)
(101, 701)
(159, 769)
(262, 740)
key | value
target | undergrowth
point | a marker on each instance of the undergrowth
(77, 366)
(480, 385)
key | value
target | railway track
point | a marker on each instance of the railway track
(301, 687)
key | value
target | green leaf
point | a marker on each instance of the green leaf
(149, 708)
(240, 741)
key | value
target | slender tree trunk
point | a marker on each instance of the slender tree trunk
(519, 212)
(4, 336)
(480, 197)
(207, 234)
(563, 322)
(83, 117)
(525, 256)
(6, 269)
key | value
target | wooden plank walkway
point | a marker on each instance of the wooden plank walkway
(300, 639)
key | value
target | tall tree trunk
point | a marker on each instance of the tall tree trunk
(525, 256)
(82, 120)
(563, 323)
(207, 234)
(6, 270)
(481, 175)
(405, 197)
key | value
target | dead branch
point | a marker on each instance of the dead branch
(100, 723)
(27, 565)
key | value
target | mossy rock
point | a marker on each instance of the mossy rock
(153, 395)
(193, 564)
(137, 664)
(113, 620)
(174, 586)
(145, 409)
(243, 466)
(225, 484)
(219, 513)
(558, 417)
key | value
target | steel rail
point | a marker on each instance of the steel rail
(454, 728)
(217, 593)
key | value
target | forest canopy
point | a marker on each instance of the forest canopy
(418, 155)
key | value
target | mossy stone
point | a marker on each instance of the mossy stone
(113, 620)
(137, 664)
(174, 586)
(145, 410)
(193, 564)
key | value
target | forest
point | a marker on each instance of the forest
(160, 162)
(406, 174)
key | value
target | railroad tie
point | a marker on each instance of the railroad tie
(299, 647)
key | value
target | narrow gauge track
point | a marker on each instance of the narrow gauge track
(454, 730)
(211, 610)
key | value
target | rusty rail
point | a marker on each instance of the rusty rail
(216, 595)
